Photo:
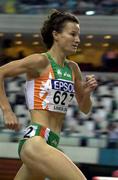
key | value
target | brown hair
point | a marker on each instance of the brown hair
(55, 22)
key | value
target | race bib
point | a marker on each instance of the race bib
(30, 131)
(62, 93)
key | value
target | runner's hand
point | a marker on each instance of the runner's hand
(10, 120)
(90, 83)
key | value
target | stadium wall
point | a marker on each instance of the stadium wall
(31, 24)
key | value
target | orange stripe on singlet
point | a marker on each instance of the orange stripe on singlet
(38, 87)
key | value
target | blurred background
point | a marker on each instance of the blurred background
(91, 141)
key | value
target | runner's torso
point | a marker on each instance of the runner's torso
(51, 93)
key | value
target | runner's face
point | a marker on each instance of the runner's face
(68, 40)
